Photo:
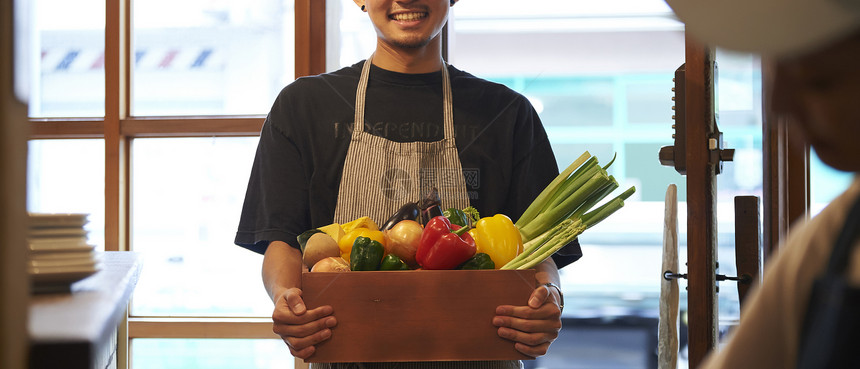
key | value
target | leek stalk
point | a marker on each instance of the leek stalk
(563, 210)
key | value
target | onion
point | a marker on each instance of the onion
(403, 239)
(331, 264)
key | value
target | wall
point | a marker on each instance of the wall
(13, 153)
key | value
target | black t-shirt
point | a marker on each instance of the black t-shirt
(505, 153)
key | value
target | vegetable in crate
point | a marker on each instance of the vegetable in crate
(459, 217)
(334, 230)
(479, 261)
(444, 245)
(402, 240)
(366, 254)
(392, 262)
(319, 246)
(345, 242)
(331, 264)
(497, 237)
(303, 237)
(563, 210)
(430, 206)
(408, 211)
(363, 222)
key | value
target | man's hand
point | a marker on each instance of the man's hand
(301, 329)
(533, 327)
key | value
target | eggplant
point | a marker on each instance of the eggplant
(421, 211)
(430, 206)
(432, 198)
(430, 213)
(407, 211)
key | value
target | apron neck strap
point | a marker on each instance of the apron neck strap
(447, 100)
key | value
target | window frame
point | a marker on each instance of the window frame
(119, 128)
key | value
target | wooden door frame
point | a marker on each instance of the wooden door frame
(701, 201)
(785, 192)
(785, 164)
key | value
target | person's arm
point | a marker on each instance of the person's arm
(535, 326)
(301, 329)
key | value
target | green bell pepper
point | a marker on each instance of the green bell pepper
(366, 254)
(392, 262)
(479, 261)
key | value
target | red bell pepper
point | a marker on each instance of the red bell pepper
(444, 245)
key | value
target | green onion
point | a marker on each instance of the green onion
(568, 231)
(551, 217)
(565, 209)
(535, 243)
(537, 205)
(595, 216)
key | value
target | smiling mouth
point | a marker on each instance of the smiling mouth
(414, 16)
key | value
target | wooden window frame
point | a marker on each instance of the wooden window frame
(118, 128)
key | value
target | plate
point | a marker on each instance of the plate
(57, 232)
(65, 255)
(40, 220)
(60, 245)
(57, 263)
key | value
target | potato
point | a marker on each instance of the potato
(331, 264)
(318, 247)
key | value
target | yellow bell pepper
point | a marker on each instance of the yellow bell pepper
(345, 242)
(498, 237)
(334, 230)
(363, 222)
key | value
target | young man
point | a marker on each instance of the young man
(806, 312)
(363, 140)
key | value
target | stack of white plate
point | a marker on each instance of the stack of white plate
(59, 252)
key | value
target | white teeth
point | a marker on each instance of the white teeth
(408, 16)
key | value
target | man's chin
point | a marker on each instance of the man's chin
(411, 45)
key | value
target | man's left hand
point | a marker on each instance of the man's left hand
(533, 327)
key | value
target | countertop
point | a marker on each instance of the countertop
(78, 329)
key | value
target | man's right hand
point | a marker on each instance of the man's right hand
(301, 329)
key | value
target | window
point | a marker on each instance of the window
(186, 200)
(209, 354)
(211, 57)
(67, 49)
(353, 37)
(203, 74)
(67, 176)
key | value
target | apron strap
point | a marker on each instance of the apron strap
(831, 325)
(841, 253)
(447, 100)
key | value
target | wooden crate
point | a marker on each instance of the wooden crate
(423, 315)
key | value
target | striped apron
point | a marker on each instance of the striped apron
(379, 176)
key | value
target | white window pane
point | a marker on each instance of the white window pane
(205, 57)
(354, 38)
(67, 176)
(210, 354)
(187, 195)
(67, 55)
